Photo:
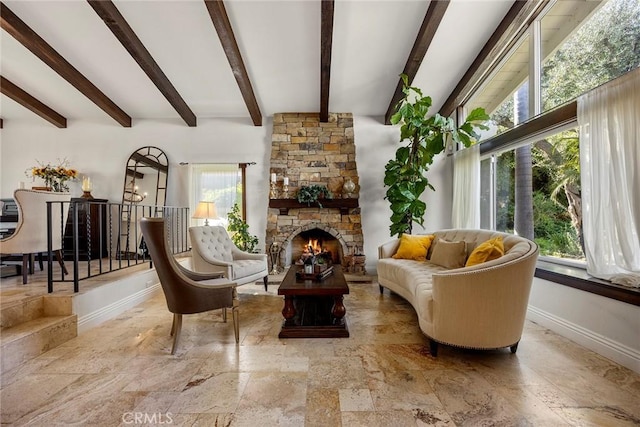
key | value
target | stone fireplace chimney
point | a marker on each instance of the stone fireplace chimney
(307, 152)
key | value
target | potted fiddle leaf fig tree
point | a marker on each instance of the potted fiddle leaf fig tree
(425, 137)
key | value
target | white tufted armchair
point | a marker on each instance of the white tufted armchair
(213, 251)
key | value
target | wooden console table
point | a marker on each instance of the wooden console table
(92, 229)
(314, 308)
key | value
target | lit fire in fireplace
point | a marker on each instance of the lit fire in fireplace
(314, 244)
(324, 247)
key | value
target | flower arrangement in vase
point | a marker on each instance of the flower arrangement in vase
(54, 176)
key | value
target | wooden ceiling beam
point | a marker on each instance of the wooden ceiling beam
(29, 102)
(428, 29)
(221, 22)
(326, 39)
(13, 25)
(125, 35)
(512, 26)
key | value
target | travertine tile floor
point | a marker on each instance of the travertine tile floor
(122, 373)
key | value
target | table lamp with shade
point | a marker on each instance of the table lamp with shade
(205, 210)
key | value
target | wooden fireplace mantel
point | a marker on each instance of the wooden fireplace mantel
(285, 204)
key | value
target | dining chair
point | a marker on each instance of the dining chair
(30, 236)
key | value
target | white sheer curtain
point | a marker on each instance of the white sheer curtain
(466, 188)
(609, 119)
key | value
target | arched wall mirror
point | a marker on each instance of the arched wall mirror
(145, 179)
(144, 194)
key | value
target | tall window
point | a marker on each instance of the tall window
(581, 45)
(496, 96)
(604, 47)
(218, 183)
(557, 217)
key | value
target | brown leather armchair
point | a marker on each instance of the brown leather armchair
(187, 292)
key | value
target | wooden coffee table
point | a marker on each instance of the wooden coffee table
(314, 308)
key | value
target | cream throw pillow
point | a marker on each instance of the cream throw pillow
(449, 254)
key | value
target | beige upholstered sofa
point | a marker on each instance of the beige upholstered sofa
(476, 307)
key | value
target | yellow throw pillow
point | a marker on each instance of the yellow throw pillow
(413, 247)
(486, 251)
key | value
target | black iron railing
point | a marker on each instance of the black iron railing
(99, 237)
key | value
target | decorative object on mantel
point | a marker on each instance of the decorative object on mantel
(205, 210)
(273, 193)
(86, 188)
(55, 177)
(285, 187)
(348, 188)
(311, 194)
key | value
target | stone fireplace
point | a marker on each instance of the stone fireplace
(307, 152)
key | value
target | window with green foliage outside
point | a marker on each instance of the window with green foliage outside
(582, 45)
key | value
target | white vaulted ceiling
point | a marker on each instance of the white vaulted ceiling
(280, 43)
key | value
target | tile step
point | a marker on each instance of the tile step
(16, 312)
(30, 339)
(13, 313)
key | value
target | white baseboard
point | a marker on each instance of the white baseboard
(112, 310)
(619, 353)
